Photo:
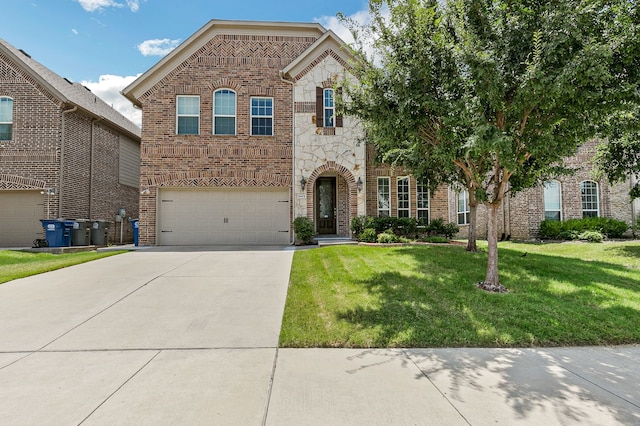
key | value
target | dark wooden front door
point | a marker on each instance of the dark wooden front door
(326, 205)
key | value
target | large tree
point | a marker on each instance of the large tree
(491, 95)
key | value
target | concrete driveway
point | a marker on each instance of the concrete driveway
(157, 336)
(189, 336)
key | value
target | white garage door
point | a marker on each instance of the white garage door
(203, 217)
(20, 214)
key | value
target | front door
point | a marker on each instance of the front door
(326, 205)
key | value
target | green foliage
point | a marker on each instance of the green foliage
(435, 239)
(591, 236)
(388, 237)
(573, 229)
(359, 224)
(437, 227)
(303, 228)
(369, 235)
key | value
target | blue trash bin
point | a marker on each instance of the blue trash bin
(66, 235)
(54, 231)
(135, 226)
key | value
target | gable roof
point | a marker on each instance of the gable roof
(329, 43)
(146, 81)
(69, 93)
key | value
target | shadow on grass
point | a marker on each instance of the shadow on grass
(552, 301)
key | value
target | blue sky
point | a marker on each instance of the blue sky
(105, 44)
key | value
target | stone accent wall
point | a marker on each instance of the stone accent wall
(327, 151)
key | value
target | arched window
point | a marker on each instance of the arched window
(224, 112)
(552, 200)
(6, 118)
(590, 204)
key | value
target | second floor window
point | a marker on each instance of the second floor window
(6, 119)
(329, 108)
(224, 112)
(262, 116)
(188, 115)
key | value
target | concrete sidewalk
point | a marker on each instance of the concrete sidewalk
(189, 336)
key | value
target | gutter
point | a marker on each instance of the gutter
(292, 238)
(62, 141)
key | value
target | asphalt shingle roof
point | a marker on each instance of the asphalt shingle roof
(69, 92)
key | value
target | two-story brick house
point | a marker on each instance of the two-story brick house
(64, 153)
(240, 136)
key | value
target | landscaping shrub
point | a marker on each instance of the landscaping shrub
(360, 223)
(435, 239)
(572, 229)
(437, 227)
(369, 235)
(388, 237)
(303, 228)
(591, 236)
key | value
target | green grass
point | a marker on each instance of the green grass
(17, 264)
(425, 296)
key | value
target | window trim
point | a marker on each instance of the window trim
(252, 116)
(466, 212)
(178, 115)
(406, 209)
(388, 210)
(10, 123)
(332, 108)
(423, 188)
(234, 115)
(597, 198)
(544, 198)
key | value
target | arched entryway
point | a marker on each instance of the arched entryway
(332, 200)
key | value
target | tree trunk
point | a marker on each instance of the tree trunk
(491, 281)
(473, 208)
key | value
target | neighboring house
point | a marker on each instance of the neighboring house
(240, 136)
(64, 153)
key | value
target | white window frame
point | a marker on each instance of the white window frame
(331, 109)
(546, 197)
(595, 194)
(252, 116)
(403, 205)
(422, 195)
(10, 122)
(178, 115)
(234, 115)
(463, 209)
(388, 194)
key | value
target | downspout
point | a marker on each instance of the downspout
(292, 238)
(62, 141)
(91, 149)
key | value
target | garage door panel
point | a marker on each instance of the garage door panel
(20, 214)
(196, 217)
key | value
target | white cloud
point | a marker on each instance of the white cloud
(108, 89)
(74, 31)
(157, 47)
(93, 5)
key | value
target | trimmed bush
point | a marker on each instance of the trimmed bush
(591, 236)
(360, 223)
(303, 228)
(388, 237)
(572, 228)
(435, 239)
(369, 235)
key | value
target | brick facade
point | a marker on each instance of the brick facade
(55, 145)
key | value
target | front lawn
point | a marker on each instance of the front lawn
(18, 264)
(424, 296)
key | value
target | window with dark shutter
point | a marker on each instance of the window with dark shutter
(319, 107)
